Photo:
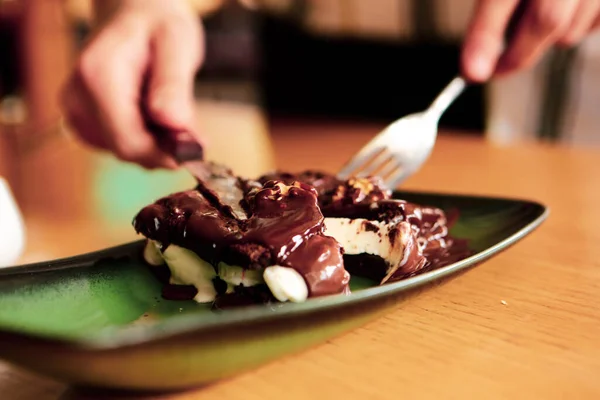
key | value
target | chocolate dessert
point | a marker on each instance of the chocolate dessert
(288, 237)
(359, 211)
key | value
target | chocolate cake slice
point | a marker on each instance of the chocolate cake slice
(384, 239)
(278, 242)
(288, 237)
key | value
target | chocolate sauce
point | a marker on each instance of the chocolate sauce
(324, 183)
(278, 219)
(366, 265)
(286, 220)
(189, 220)
(367, 198)
(295, 227)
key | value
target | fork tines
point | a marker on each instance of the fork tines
(379, 161)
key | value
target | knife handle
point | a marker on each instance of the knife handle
(180, 144)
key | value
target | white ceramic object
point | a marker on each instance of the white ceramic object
(12, 228)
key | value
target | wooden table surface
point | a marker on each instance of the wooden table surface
(525, 324)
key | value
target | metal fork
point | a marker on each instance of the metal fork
(403, 146)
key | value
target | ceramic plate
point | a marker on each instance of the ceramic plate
(98, 319)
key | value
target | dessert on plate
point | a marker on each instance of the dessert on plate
(288, 237)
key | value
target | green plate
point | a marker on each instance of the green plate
(99, 320)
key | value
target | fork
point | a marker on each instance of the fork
(403, 146)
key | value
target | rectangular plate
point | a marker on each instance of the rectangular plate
(65, 318)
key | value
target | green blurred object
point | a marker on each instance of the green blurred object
(99, 319)
(121, 189)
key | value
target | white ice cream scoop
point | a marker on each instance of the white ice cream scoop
(12, 228)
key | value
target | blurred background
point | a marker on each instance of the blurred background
(271, 66)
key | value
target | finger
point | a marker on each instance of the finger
(544, 21)
(79, 115)
(112, 72)
(175, 59)
(582, 22)
(596, 23)
(484, 40)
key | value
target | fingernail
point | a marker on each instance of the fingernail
(480, 67)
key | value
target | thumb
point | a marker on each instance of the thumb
(176, 56)
(484, 40)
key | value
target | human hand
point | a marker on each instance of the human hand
(144, 57)
(543, 24)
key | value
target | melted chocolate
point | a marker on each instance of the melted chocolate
(323, 183)
(284, 222)
(430, 247)
(278, 219)
(366, 265)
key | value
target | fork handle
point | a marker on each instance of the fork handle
(447, 96)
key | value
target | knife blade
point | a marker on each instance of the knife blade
(212, 177)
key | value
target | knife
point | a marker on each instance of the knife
(181, 145)
(215, 178)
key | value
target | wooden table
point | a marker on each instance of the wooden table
(525, 324)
